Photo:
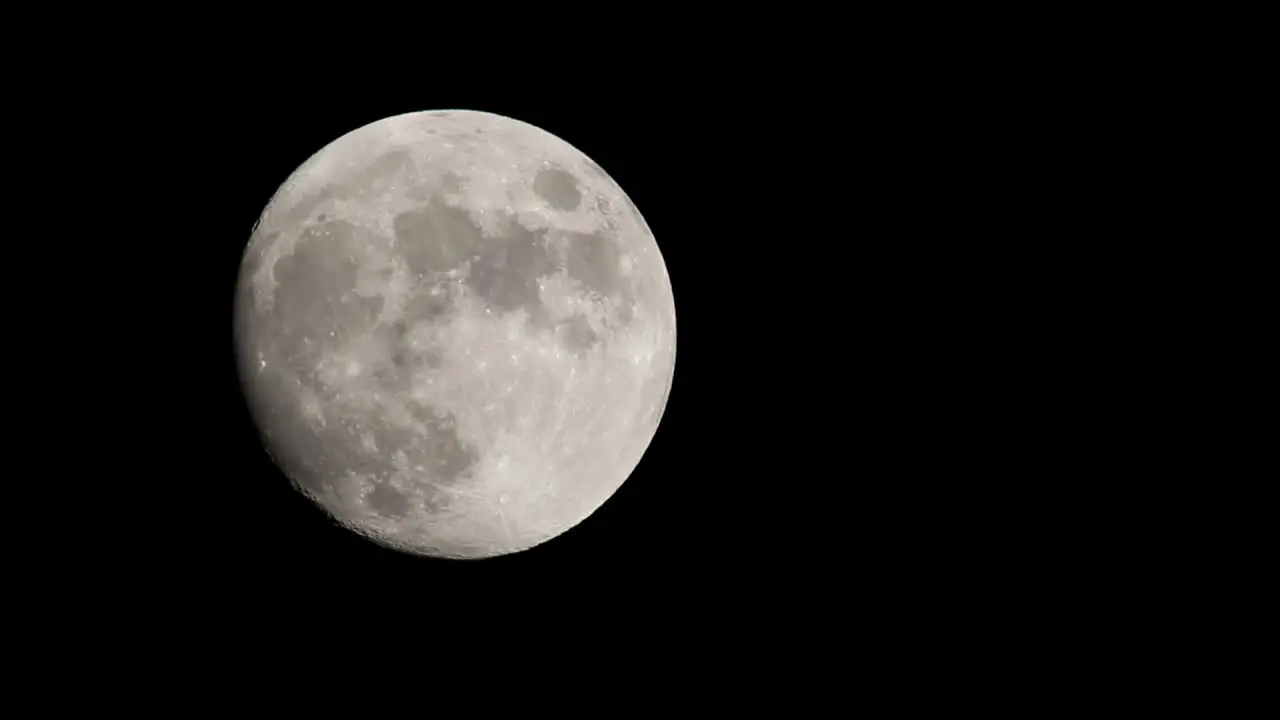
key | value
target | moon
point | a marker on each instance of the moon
(455, 333)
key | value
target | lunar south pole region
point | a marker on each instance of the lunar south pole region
(455, 333)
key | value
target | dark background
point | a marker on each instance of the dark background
(821, 353)
(727, 481)
(890, 254)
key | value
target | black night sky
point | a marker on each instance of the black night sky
(787, 456)
(883, 442)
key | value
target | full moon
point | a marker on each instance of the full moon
(455, 333)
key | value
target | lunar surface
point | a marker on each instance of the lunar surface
(455, 333)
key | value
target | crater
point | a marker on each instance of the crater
(558, 188)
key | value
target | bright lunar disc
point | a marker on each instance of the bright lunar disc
(455, 333)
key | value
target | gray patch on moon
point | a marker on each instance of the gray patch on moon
(397, 357)
(400, 354)
(503, 270)
(450, 182)
(558, 188)
(436, 237)
(385, 500)
(593, 261)
(576, 334)
(443, 453)
(316, 290)
(625, 314)
(385, 168)
(506, 271)
(340, 446)
(429, 306)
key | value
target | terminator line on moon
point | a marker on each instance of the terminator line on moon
(455, 333)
